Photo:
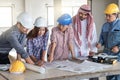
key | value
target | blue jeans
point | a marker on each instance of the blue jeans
(4, 58)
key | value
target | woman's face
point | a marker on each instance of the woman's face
(63, 28)
(41, 31)
(110, 17)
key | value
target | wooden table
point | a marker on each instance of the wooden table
(55, 74)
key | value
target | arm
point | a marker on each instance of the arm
(100, 43)
(72, 50)
(70, 43)
(52, 49)
(41, 61)
(43, 56)
(30, 49)
(101, 38)
(52, 45)
(12, 39)
(33, 58)
(46, 36)
(94, 41)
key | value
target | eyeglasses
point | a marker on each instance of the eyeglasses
(110, 15)
(83, 14)
(107, 15)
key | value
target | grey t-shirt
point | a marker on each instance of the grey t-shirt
(13, 38)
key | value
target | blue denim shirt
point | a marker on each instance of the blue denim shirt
(110, 36)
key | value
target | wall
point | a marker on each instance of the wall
(38, 7)
(73, 2)
(17, 6)
(60, 4)
(98, 7)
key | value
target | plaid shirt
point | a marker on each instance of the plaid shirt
(36, 45)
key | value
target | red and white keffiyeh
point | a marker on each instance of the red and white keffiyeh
(77, 25)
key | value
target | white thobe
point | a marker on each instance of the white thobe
(84, 49)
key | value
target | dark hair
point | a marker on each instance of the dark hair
(34, 32)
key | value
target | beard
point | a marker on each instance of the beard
(82, 18)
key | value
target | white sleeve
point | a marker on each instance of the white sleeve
(94, 39)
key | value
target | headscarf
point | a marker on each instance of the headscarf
(77, 25)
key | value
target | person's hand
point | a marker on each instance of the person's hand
(74, 58)
(40, 63)
(34, 59)
(91, 53)
(98, 45)
(77, 60)
(50, 58)
(28, 60)
(115, 49)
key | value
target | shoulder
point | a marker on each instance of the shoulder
(12, 33)
(105, 24)
(118, 21)
(14, 30)
(70, 29)
(54, 29)
(73, 17)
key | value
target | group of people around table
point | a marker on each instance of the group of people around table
(73, 37)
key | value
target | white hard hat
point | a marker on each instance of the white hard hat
(26, 20)
(40, 22)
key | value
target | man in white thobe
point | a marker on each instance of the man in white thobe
(85, 32)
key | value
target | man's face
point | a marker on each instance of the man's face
(63, 28)
(83, 15)
(110, 17)
(23, 29)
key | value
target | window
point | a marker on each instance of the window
(50, 16)
(5, 16)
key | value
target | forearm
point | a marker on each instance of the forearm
(51, 55)
(33, 58)
(43, 55)
(71, 49)
(101, 39)
(53, 45)
(17, 46)
(28, 60)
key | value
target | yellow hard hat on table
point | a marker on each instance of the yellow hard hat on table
(111, 8)
(17, 67)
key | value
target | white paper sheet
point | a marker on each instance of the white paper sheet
(86, 66)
